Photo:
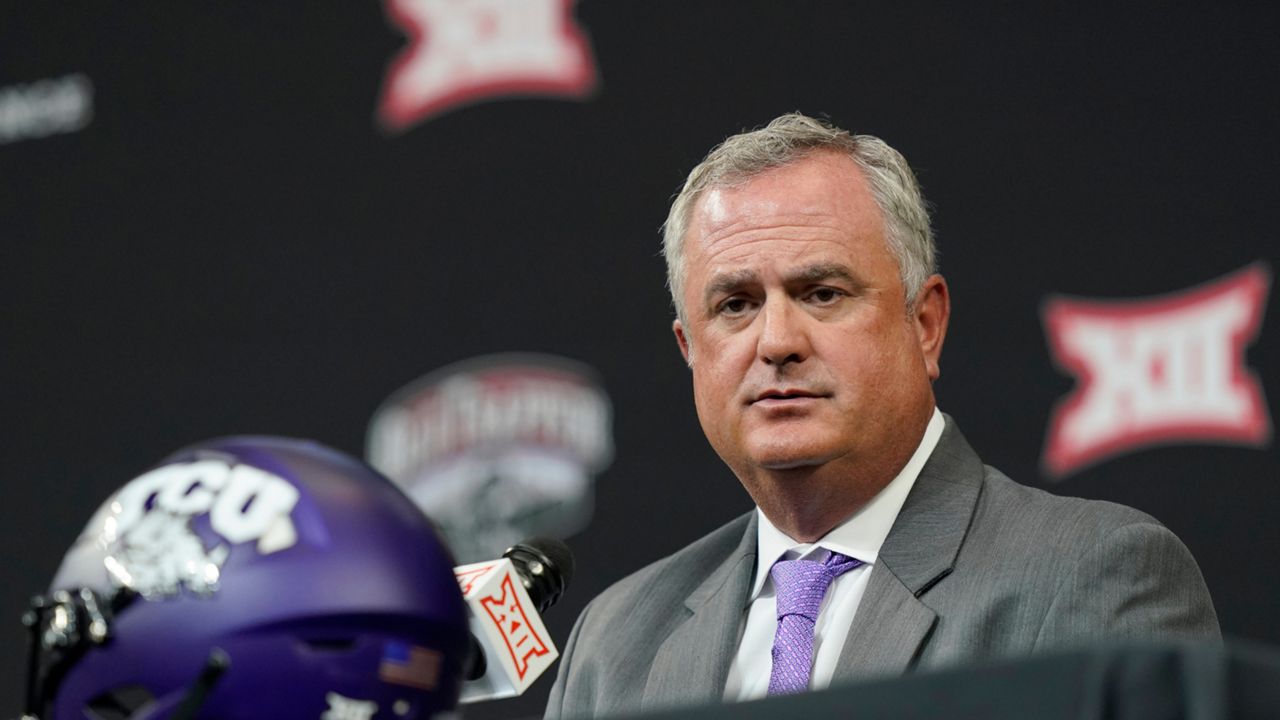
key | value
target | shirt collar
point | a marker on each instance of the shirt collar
(863, 533)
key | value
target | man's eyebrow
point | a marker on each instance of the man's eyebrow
(730, 281)
(822, 271)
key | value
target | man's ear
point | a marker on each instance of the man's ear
(932, 311)
(682, 341)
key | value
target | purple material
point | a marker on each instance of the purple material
(800, 586)
(365, 568)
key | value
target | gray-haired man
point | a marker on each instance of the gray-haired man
(801, 264)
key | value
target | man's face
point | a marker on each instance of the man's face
(804, 356)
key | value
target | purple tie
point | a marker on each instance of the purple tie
(800, 586)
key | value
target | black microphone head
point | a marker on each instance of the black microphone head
(545, 566)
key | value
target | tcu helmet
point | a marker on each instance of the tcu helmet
(251, 577)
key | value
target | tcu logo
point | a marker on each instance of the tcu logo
(462, 51)
(509, 617)
(1157, 370)
(147, 525)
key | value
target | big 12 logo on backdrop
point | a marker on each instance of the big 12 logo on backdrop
(463, 51)
(1157, 370)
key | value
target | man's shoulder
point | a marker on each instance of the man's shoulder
(617, 637)
(680, 574)
(1067, 571)
(1038, 545)
(1026, 511)
(1034, 570)
(963, 512)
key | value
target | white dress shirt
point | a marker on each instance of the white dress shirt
(858, 537)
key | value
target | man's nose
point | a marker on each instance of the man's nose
(784, 337)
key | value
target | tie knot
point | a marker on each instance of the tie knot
(801, 584)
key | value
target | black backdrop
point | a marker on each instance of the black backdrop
(232, 244)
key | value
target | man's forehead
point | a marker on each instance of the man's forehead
(713, 206)
(819, 189)
(763, 218)
(724, 207)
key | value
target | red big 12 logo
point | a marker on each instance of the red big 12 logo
(1157, 370)
(507, 612)
(505, 624)
(463, 51)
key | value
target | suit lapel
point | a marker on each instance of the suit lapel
(890, 628)
(894, 620)
(692, 665)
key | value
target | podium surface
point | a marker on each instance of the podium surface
(1192, 681)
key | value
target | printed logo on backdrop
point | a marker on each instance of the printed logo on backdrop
(1155, 371)
(497, 448)
(464, 51)
(45, 107)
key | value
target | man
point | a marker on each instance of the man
(801, 265)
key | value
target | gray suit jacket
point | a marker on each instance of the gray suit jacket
(976, 567)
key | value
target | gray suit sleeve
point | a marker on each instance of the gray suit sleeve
(1136, 582)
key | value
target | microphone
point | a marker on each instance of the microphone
(545, 566)
(510, 647)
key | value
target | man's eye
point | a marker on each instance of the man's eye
(734, 306)
(825, 296)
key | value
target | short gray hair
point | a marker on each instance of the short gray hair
(785, 140)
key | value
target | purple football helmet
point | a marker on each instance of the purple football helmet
(251, 577)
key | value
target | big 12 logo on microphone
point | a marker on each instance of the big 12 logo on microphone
(1157, 370)
(505, 621)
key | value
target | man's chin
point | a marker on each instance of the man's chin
(785, 465)
(779, 451)
(795, 460)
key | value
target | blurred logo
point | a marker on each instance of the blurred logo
(1157, 370)
(45, 107)
(345, 708)
(497, 448)
(464, 51)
